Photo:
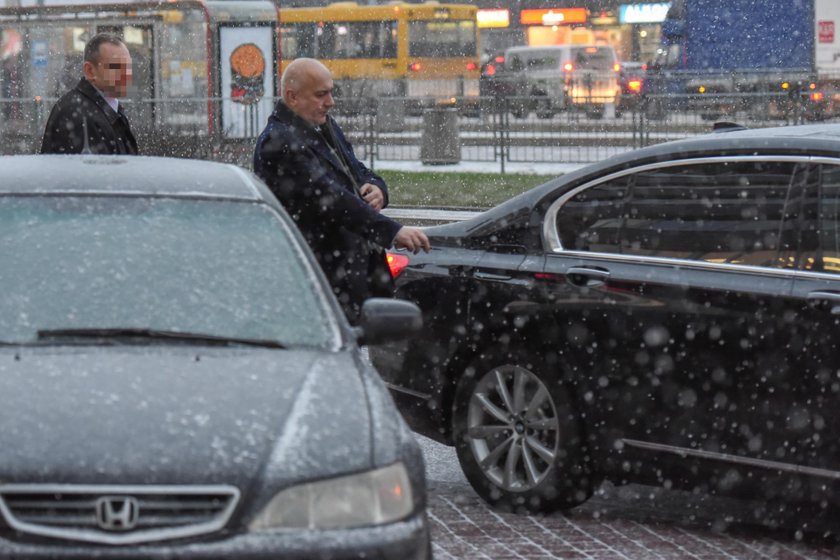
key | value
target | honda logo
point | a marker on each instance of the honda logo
(116, 513)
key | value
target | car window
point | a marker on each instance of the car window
(723, 212)
(821, 227)
(593, 58)
(546, 62)
(229, 269)
(514, 63)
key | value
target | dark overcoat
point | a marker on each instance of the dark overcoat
(320, 191)
(108, 131)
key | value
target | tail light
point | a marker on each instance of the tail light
(471, 65)
(489, 70)
(817, 96)
(500, 59)
(635, 86)
(414, 67)
(396, 263)
(568, 67)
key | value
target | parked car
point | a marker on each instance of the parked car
(668, 316)
(178, 381)
(553, 78)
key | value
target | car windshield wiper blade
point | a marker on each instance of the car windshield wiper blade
(156, 333)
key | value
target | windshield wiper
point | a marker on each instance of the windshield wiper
(155, 333)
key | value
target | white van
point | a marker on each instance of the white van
(563, 77)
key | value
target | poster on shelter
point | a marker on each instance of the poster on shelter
(247, 73)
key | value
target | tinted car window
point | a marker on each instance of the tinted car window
(722, 212)
(821, 228)
(225, 269)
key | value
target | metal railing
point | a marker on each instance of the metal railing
(496, 130)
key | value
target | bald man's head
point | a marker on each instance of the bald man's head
(307, 86)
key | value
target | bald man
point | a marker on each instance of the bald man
(334, 198)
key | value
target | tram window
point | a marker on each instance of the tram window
(442, 38)
(298, 40)
(340, 40)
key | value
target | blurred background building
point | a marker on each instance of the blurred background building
(630, 26)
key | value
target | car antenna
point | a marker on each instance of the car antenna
(86, 146)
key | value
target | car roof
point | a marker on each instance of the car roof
(126, 175)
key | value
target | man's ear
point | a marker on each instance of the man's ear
(289, 97)
(87, 68)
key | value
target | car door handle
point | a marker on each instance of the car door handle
(826, 300)
(490, 276)
(583, 277)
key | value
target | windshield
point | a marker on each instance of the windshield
(228, 269)
(442, 38)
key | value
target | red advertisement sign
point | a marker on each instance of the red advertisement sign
(826, 31)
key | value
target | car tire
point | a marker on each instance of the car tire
(527, 460)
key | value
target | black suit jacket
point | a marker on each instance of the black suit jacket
(108, 132)
(320, 192)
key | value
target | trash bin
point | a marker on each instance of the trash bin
(441, 142)
(390, 114)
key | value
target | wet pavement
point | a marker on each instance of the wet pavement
(632, 522)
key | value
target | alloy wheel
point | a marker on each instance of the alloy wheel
(513, 428)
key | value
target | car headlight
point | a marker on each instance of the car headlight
(369, 498)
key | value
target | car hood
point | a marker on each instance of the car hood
(175, 415)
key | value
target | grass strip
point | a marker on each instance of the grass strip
(458, 189)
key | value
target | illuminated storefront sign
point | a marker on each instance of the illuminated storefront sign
(643, 13)
(493, 18)
(557, 16)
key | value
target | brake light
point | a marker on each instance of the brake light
(635, 86)
(414, 67)
(568, 67)
(500, 59)
(471, 65)
(489, 70)
(396, 263)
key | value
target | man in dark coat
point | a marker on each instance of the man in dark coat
(334, 198)
(89, 117)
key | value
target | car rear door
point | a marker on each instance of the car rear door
(673, 282)
(812, 420)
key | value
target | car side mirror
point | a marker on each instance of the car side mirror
(387, 320)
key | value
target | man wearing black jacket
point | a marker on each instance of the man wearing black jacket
(334, 198)
(89, 117)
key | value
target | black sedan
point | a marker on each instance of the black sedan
(177, 380)
(669, 316)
